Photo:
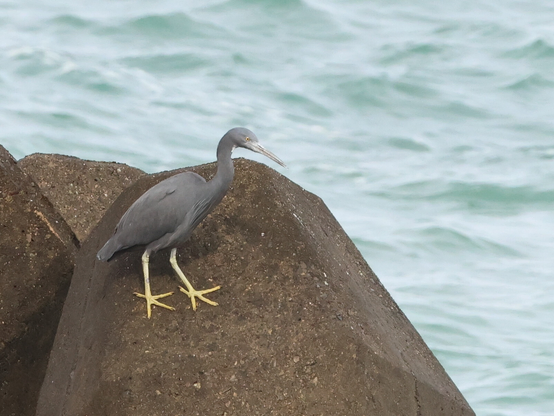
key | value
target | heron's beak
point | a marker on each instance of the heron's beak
(258, 148)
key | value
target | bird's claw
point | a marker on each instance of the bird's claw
(193, 294)
(152, 300)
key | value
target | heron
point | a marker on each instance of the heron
(166, 215)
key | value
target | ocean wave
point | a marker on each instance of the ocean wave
(38, 63)
(530, 82)
(164, 27)
(480, 194)
(99, 81)
(406, 52)
(536, 49)
(449, 240)
(32, 61)
(294, 101)
(62, 120)
(473, 195)
(374, 91)
(167, 63)
(71, 21)
(406, 143)
(281, 21)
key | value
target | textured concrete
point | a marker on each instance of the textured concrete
(304, 327)
(37, 252)
(80, 190)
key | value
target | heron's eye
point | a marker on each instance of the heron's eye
(247, 139)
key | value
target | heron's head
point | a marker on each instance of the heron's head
(242, 137)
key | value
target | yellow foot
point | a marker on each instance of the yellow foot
(193, 294)
(151, 300)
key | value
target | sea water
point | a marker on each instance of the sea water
(426, 127)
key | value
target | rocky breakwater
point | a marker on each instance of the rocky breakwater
(48, 203)
(303, 326)
(37, 252)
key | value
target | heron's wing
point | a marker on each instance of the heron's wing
(159, 211)
(199, 211)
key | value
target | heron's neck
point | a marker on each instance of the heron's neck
(225, 169)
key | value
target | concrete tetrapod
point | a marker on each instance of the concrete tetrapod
(37, 252)
(80, 190)
(304, 327)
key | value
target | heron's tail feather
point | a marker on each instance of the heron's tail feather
(108, 250)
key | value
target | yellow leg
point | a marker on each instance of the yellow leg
(190, 291)
(151, 300)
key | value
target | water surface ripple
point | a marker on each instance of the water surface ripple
(427, 128)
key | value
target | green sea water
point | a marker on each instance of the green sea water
(427, 128)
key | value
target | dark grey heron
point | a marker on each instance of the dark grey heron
(166, 215)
